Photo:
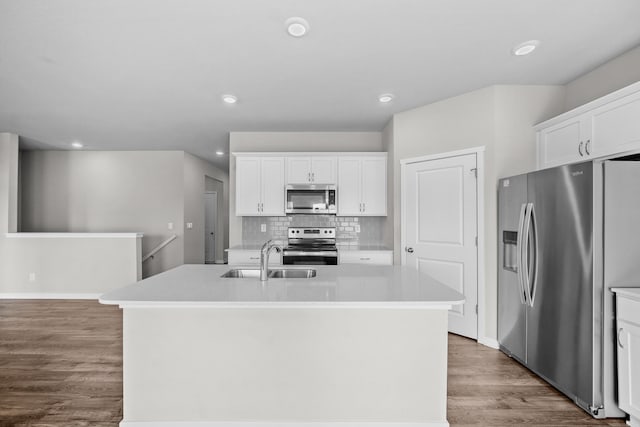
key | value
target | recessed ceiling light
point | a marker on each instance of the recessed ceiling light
(525, 48)
(385, 97)
(296, 26)
(219, 153)
(77, 144)
(229, 99)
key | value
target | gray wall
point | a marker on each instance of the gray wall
(608, 77)
(290, 142)
(196, 172)
(108, 191)
(500, 118)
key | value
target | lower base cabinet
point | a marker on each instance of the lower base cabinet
(628, 350)
(250, 257)
(365, 257)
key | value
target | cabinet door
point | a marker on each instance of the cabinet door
(273, 187)
(374, 186)
(563, 143)
(248, 180)
(298, 170)
(349, 184)
(323, 170)
(616, 126)
(628, 367)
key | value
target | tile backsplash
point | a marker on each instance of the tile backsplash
(370, 228)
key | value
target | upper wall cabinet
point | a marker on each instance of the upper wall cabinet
(312, 170)
(260, 186)
(605, 127)
(362, 185)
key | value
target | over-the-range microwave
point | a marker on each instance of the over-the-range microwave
(311, 199)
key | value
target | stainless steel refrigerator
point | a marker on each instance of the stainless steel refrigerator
(555, 310)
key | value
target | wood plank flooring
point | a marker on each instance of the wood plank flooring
(61, 365)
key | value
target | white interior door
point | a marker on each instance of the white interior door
(440, 202)
(210, 221)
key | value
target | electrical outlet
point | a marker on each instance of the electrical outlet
(170, 226)
(263, 228)
(189, 225)
(357, 228)
(32, 277)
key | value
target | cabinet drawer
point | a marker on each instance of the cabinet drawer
(366, 257)
(250, 257)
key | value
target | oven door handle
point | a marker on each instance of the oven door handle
(304, 253)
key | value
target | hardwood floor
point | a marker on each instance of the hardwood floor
(61, 365)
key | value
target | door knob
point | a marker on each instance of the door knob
(410, 250)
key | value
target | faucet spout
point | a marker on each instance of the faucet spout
(266, 249)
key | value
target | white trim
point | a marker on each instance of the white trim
(72, 235)
(479, 152)
(464, 152)
(46, 295)
(489, 342)
(276, 424)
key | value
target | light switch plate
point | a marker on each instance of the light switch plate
(357, 228)
(263, 228)
(170, 226)
(32, 277)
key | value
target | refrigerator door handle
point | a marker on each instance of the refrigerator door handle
(519, 253)
(525, 253)
(533, 281)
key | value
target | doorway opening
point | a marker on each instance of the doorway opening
(214, 226)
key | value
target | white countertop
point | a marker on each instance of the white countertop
(197, 285)
(633, 293)
(373, 247)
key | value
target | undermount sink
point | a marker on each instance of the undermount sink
(277, 273)
(283, 273)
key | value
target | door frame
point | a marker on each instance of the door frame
(215, 226)
(479, 153)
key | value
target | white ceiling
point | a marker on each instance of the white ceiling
(149, 74)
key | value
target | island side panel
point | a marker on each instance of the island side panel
(285, 364)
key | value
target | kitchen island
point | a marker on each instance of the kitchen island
(353, 345)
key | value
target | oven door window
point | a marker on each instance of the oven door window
(310, 200)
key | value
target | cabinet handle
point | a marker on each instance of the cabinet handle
(261, 207)
(254, 257)
(364, 207)
(586, 147)
(313, 176)
(580, 149)
(620, 342)
(309, 176)
(365, 259)
(258, 207)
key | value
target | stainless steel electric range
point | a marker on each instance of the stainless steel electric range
(311, 246)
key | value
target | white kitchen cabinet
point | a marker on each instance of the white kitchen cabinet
(370, 257)
(250, 257)
(628, 348)
(605, 127)
(616, 126)
(362, 185)
(311, 169)
(567, 142)
(260, 186)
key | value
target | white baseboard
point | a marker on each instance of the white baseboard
(276, 424)
(38, 295)
(489, 342)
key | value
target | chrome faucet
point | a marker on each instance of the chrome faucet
(264, 258)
